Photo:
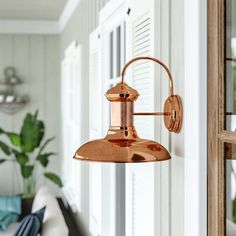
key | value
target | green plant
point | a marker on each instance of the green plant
(27, 149)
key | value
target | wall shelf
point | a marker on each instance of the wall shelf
(9, 83)
(10, 102)
(12, 107)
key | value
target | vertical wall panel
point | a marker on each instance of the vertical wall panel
(37, 73)
(6, 59)
(52, 98)
(162, 132)
(21, 63)
(36, 77)
(177, 140)
(20, 52)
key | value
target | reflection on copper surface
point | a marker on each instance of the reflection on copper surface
(137, 158)
(122, 114)
(121, 142)
(154, 147)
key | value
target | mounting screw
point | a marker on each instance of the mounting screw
(173, 114)
(128, 11)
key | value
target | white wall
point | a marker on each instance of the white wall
(195, 118)
(36, 59)
(177, 143)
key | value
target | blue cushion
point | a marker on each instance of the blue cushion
(31, 224)
(10, 209)
(6, 219)
(10, 204)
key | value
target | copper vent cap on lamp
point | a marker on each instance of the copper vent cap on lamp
(122, 144)
(122, 92)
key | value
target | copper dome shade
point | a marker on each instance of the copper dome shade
(128, 149)
(122, 144)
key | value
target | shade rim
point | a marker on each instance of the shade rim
(122, 151)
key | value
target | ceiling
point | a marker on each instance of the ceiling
(31, 9)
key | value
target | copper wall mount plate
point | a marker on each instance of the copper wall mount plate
(173, 109)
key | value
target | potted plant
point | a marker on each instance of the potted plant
(27, 149)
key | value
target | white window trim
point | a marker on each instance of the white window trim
(195, 118)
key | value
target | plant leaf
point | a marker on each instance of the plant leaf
(45, 144)
(32, 132)
(14, 138)
(43, 158)
(2, 160)
(5, 148)
(27, 171)
(54, 178)
(22, 158)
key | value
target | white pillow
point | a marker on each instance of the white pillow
(42, 193)
(53, 221)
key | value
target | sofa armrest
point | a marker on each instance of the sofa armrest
(74, 230)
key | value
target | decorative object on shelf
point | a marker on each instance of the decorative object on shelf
(122, 144)
(28, 151)
(10, 75)
(10, 102)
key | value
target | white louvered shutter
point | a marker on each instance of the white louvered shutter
(95, 121)
(71, 124)
(140, 178)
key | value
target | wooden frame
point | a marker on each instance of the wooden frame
(217, 135)
(216, 170)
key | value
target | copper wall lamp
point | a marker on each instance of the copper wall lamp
(122, 144)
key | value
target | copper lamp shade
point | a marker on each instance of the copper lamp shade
(122, 144)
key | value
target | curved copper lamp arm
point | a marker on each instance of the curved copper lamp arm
(173, 106)
(151, 59)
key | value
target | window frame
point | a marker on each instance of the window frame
(216, 118)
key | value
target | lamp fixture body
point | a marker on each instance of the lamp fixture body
(122, 144)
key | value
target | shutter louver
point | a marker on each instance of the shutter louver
(142, 75)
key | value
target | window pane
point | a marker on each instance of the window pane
(230, 154)
(230, 63)
(118, 50)
(111, 55)
(124, 49)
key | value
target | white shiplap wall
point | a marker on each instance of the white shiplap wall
(36, 59)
